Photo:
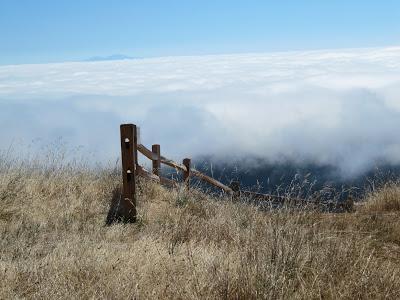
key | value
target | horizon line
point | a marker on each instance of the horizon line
(141, 58)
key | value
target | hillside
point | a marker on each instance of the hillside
(185, 245)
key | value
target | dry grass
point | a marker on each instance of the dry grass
(386, 199)
(185, 246)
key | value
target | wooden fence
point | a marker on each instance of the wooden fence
(130, 146)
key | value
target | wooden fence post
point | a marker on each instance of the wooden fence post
(156, 163)
(127, 207)
(235, 186)
(186, 174)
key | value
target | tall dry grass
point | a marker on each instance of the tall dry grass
(185, 245)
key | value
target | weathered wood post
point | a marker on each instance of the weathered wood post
(127, 207)
(235, 186)
(186, 174)
(156, 162)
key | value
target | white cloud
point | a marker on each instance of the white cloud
(336, 106)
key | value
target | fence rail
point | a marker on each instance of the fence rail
(184, 167)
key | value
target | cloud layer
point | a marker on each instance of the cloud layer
(338, 107)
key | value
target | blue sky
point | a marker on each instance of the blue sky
(39, 31)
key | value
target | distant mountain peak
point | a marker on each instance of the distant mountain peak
(110, 57)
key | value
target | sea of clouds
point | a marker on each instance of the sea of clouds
(336, 107)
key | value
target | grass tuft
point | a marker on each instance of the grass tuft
(386, 199)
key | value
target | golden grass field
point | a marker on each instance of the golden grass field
(54, 244)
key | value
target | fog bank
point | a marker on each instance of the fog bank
(333, 107)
